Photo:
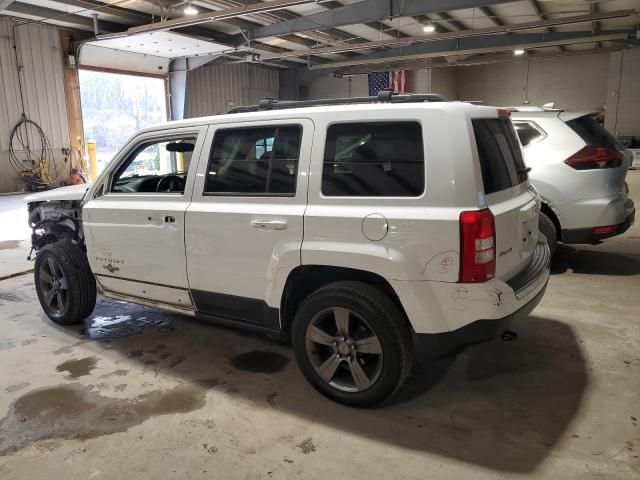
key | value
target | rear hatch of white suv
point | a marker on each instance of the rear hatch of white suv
(601, 161)
(513, 203)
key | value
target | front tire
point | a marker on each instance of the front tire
(64, 282)
(548, 228)
(352, 343)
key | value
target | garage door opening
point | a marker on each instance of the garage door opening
(116, 105)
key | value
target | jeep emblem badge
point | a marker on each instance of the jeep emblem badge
(111, 268)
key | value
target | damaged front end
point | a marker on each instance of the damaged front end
(56, 217)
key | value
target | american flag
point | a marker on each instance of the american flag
(396, 81)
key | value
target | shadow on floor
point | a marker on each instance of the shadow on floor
(593, 262)
(500, 405)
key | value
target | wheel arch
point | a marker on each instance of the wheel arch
(305, 279)
(550, 211)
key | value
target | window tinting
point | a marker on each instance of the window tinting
(374, 159)
(593, 133)
(259, 160)
(500, 155)
(157, 166)
(528, 133)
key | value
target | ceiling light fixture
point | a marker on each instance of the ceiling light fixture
(519, 51)
(190, 9)
(428, 27)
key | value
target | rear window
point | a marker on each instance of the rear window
(593, 133)
(500, 155)
(373, 159)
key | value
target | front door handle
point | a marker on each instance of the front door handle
(269, 224)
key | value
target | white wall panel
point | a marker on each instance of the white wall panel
(573, 82)
(214, 89)
(41, 77)
(623, 93)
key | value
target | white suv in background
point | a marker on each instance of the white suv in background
(349, 230)
(579, 170)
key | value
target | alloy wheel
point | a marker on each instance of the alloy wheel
(344, 349)
(54, 286)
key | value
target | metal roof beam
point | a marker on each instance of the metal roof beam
(133, 16)
(223, 15)
(366, 11)
(491, 15)
(482, 60)
(455, 23)
(49, 15)
(5, 3)
(535, 5)
(346, 47)
(483, 44)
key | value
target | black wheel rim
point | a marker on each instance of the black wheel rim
(344, 350)
(54, 287)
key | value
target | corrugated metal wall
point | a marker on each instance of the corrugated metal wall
(214, 89)
(41, 67)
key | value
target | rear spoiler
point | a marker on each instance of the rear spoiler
(566, 116)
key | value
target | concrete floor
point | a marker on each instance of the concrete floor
(14, 236)
(140, 393)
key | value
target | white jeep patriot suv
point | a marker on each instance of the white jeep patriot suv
(348, 229)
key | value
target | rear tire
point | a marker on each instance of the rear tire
(352, 343)
(64, 282)
(548, 228)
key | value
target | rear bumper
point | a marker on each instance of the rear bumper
(440, 344)
(443, 307)
(591, 235)
(593, 212)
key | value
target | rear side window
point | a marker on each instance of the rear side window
(254, 161)
(528, 132)
(374, 159)
(500, 155)
(593, 133)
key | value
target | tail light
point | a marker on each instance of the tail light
(477, 246)
(606, 229)
(595, 158)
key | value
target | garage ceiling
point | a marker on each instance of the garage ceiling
(346, 35)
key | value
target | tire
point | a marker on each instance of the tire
(370, 313)
(73, 297)
(548, 228)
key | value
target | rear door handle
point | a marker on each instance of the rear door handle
(269, 224)
(169, 219)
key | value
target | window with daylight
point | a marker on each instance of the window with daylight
(156, 166)
(116, 105)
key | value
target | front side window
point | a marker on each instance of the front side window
(374, 159)
(254, 161)
(156, 167)
(528, 132)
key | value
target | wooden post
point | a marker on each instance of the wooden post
(74, 111)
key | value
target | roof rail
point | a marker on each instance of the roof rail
(385, 96)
